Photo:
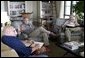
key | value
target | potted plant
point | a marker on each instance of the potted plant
(78, 8)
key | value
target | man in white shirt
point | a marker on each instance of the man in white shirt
(71, 25)
(72, 22)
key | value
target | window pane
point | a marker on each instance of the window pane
(66, 17)
(74, 2)
(67, 11)
(68, 3)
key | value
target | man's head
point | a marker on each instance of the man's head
(9, 31)
(26, 15)
(72, 17)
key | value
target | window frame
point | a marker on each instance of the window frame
(71, 10)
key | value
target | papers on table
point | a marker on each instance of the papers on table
(72, 45)
(27, 43)
(39, 43)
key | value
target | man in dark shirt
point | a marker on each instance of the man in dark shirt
(9, 38)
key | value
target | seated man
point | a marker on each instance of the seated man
(72, 22)
(9, 38)
(28, 30)
(71, 25)
(40, 33)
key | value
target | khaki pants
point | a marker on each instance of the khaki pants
(69, 30)
(38, 35)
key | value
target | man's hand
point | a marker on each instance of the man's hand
(30, 42)
(41, 50)
(34, 47)
(53, 34)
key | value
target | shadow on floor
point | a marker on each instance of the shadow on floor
(56, 51)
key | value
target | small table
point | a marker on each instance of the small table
(40, 47)
(74, 52)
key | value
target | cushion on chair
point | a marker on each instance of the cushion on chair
(7, 51)
(4, 47)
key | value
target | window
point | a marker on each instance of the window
(68, 8)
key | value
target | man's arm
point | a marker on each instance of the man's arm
(46, 31)
(65, 23)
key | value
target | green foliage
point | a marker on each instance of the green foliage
(79, 9)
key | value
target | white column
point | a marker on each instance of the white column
(28, 6)
(61, 15)
(2, 6)
(41, 9)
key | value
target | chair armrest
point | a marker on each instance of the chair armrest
(9, 53)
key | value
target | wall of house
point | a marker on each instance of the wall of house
(58, 4)
(2, 6)
(61, 14)
(31, 6)
(4, 14)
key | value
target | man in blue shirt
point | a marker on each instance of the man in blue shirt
(9, 38)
